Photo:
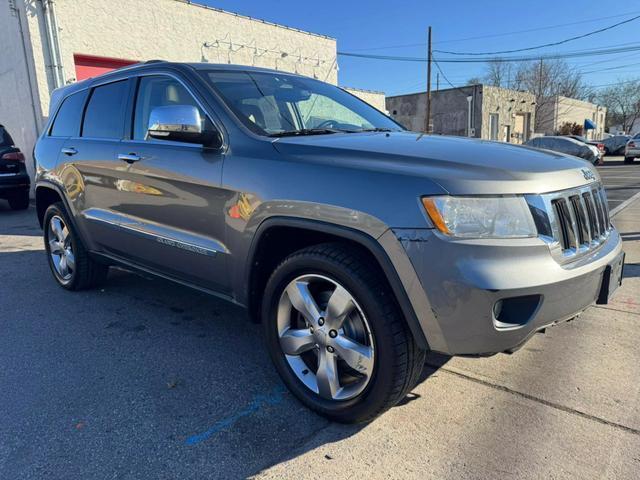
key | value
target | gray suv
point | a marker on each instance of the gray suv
(359, 246)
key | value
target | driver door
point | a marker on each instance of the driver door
(170, 194)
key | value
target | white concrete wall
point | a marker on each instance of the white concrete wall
(561, 110)
(177, 31)
(17, 112)
(373, 98)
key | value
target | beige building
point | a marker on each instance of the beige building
(552, 114)
(480, 111)
(48, 44)
(372, 97)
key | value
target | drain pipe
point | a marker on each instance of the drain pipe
(55, 56)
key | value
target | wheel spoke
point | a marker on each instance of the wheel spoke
(56, 228)
(65, 234)
(296, 341)
(357, 356)
(71, 260)
(303, 302)
(54, 247)
(339, 307)
(64, 270)
(327, 374)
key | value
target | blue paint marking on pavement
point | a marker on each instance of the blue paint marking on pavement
(259, 401)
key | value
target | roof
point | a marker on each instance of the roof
(463, 88)
(377, 92)
(61, 92)
(207, 7)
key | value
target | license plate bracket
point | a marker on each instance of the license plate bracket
(611, 279)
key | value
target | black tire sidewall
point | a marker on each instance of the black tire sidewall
(376, 394)
(57, 210)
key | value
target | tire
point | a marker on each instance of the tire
(628, 159)
(19, 201)
(85, 273)
(374, 322)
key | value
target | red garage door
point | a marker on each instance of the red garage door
(90, 66)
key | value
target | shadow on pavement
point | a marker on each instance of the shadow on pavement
(141, 377)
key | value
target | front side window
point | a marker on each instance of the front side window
(280, 104)
(67, 121)
(158, 91)
(104, 117)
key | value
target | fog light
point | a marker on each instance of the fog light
(515, 311)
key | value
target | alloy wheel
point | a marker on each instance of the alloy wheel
(325, 337)
(60, 248)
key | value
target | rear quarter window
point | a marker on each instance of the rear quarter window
(105, 113)
(67, 121)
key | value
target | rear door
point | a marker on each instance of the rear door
(170, 199)
(88, 166)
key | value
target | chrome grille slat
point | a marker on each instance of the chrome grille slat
(578, 219)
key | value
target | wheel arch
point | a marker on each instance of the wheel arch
(277, 237)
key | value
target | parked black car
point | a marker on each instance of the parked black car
(14, 180)
(568, 145)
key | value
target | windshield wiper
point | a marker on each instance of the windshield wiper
(376, 129)
(305, 131)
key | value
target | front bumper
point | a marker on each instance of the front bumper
(463, 279)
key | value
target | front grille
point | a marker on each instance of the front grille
(578, 220)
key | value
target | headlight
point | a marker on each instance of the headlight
(481, 217)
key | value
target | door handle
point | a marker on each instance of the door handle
(129, 158)
(69, 151)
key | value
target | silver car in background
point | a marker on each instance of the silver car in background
(632, 149)
(568, 145)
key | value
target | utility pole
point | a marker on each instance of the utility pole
(437, 81)
(427, 119)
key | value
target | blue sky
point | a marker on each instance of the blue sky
(359, 25)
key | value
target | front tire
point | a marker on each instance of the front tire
(628, 159)
(70, 263)
(19, 201)
(336, 334)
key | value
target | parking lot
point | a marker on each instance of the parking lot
(622, 180)
(147, 379)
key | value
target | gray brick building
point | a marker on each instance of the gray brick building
(480, 111)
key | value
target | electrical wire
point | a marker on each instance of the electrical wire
(545, 45)
(551, 56)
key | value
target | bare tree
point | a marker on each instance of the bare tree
(474, 81)
(499, 74)
(623, 103)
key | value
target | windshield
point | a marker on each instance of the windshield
(279, 104)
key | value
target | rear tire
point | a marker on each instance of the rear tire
(69, 260)
(395, 361)
(628, 159)
(19, 201)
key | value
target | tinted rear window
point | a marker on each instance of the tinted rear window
(67, 122)
(104, 117)
(5, 138)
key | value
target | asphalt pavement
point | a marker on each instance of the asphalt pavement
(621, 180)
(147, 379)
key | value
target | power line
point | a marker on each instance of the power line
(551, 56)
(545, 45)
(494, 35)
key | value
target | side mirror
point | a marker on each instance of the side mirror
(182, 123)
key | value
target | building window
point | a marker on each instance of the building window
(493, 126)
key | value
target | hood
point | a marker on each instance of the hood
(458, 165)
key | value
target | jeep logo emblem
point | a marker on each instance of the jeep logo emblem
(588, 174)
